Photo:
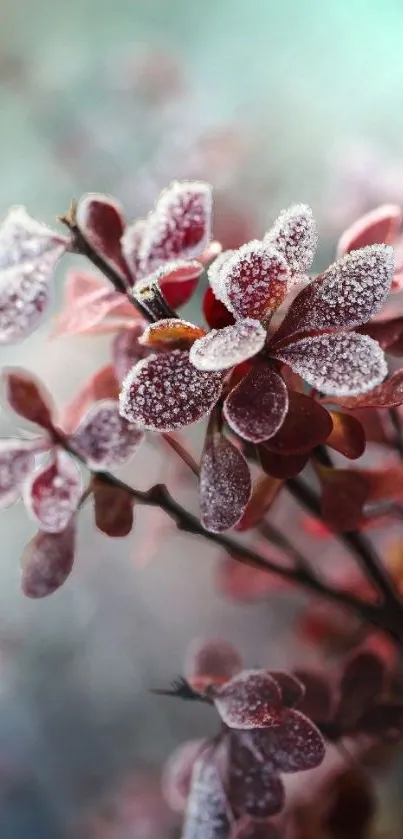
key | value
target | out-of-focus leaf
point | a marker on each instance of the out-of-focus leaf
(47, 562)
(113, 508)
(25, 395)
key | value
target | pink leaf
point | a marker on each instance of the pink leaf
(85, 314)
(17, 460)
(294, 745)
(78, 284)
(252, 699)
(102, 385)
(294, 236)
(104, 438)
(389, 394)
(164, 392)
(180, 225)
(127, 350)
(254, 279)
(207, 815)
(29, 252)
(225, 484)
(222, 349)
(254, 789)
(376, 227)
(47, 562)
(53, 492)
(100, 220)
(347, 294)
(255, 409)
(27, 397)
(343, 364)
(177, 774)
(211, 662)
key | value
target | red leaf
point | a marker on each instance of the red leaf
(294, 745)
(211, 662)
(47, 562)
(170, 333)
(251, 699)
(177, 774)
(179, 227)
(389, 394)
(281, 466)
(53, 492)
(102, 385)
(27, 397)
(127, 350)
(292, 689)
(165, 392)
(17, 460)
(215, 313)
(222, 349)
(113, 508)
(376, 227)
(306, 425)
(100, 220)
(317, 702)
(362, 683)
(225, 484)
(344, 494)
(207, 814)
(104, 438)
(29, 252)
(294, 235)
(256, 408)
(253, 787)
(263, 496)
(178, 281)
(348, 435)
(254, 281)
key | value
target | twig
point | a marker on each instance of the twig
(184, 455)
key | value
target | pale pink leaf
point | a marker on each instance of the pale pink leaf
(52, 493)
(17, 461)
(255, 281)
(47, 562)
(224, 348)
(165, 391)
(294, 235)
(342, 364)
(102, 385)
(103, 438)
(376, 227)
(208, 813)
(256, 408)
(89, 311)
(211, 661)
(177, 773)
(225, 484)
(100, 220)
(29, 252)
(251, 699)
(78, 284)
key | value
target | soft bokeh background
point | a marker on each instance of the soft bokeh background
(273, 102)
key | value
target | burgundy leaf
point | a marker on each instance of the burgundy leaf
(47, 562)
(254, 281)
(347, 294)
(17, 460)
(180, 225)
(374, 228)
(29, 252)
(53, 492)
(254, 789)
(164, 392)
(292, 746)
(306, 425)
(343, 364)
(348, 435)
(362, 683)
(100, 220)
(113, 509)
(178, 280)
(344, 494)
(211, 662)
(263, 496)
(255, 829)
(207, 815)
(177, 774)
(384, 720)
(292, 689)
(281, 466)
(388, 334)
(294, 235)
(102, 385)
(252, 699)
(256, 408)
(215, 313)
(317, 701)
(225, 484)
(222, 349)
(389, 394)
(27, 397)
(104, 439)
(170, 333)
(127, 350)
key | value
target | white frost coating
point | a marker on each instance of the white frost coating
(17, 460)
(225, 484)
(222, 349)
(342, 364)
(208, 813)
(251, 699)
(29, 252)
(253, 280)
(165, 391)
(104, 438)
(216, 275)
(295, 236)
(256, 407)
(294, 746)
(52, 493)
(130, 242)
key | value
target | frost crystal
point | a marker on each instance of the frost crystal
(165, 391)
(208, 815)
(293, 746)
(255, 409)
(222, 349)
(294, 235)
(52, 493)
(254, 280)
(216, 275)
(225, 484)
(252, 699)
(104, 438)
(343, 364)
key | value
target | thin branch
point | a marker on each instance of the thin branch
(180, 450)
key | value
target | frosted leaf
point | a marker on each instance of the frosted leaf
(253, 787)
(29, 252)
(127, 350)
(104, 438)
(52, 493)
(170, 333)
(376, 227)
(164, 392)
(343, 364)
(215, 313)
(207, 815)
(177, 773)
(294, 235)
(347, 294)
(211, 662)
(222, 349)
(225, 484)
(292, 690)
(307, 424)
(130, 243)
(252, 699)
(294, 745)
(47, 562)
(255, 409)
(180, 225)
(389, 394)
(216, 276)
(100, 220)
(27, 397)
(254, 279)
(178, 280)
(17, 460)
(113, 508)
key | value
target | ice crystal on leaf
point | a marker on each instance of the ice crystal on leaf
(47, 562)
(294, 236)
(225, 484)
(255, 409)
(254, 281)
(17, 460)
(208, 814)
(104, 438)
(29, 252)
(251, 699)
(224, 348)
(52, 493)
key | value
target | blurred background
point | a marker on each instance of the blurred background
(273, 103)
